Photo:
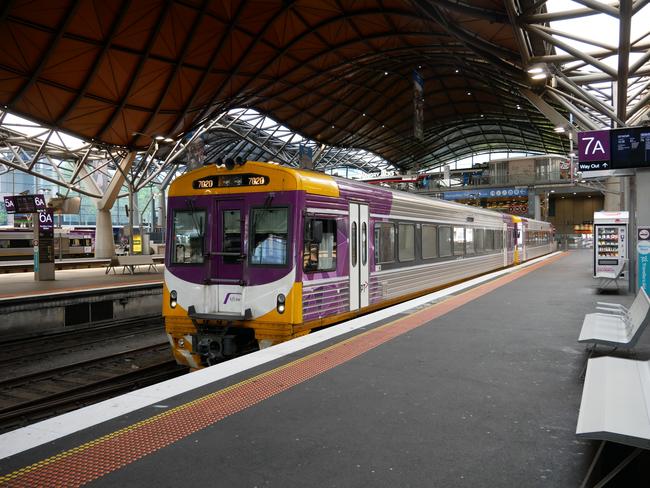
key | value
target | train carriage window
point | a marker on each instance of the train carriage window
(319, 253)
(469, 241)
(269, 235)
(444, 241)
(429, 241)
(479, 240)
(489, 240)
(384, 243)
(232, 235)
(459, 241)
(406, 242)
(189, 231)
(498, 239)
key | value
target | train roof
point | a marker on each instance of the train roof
(280, 178)
(284, 178)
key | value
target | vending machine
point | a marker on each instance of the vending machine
(610, 243)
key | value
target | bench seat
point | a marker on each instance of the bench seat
(604, 329)
(615, 403)
(617, 329)
(129, 263)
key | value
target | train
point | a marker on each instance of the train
(259, 253)
(17, 244)
(70, 241)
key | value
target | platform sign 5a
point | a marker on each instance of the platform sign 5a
(594, 150)
(10, 207)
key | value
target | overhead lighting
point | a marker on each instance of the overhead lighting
(159, 138)
(168, 139)
(559, 130)
(469, 94)
(534, 70)
(385, 73)
(552, 191)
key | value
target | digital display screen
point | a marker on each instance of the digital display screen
(228, 181)
(24, 204)
(630, 147)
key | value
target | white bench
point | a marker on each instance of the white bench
(613, 277)
(130, 263)
(615, 407)
(617, 326)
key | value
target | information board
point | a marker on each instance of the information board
(631, 147)
(614, 149)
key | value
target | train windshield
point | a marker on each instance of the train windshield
(269, 235)
(189, 231)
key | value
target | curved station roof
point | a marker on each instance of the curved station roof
(337, 72)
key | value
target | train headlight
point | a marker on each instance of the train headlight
(173, 299)
(280, 303)
(181, 342)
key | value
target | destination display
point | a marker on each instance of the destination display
(631, 147)
(614, 149)
(227, 181)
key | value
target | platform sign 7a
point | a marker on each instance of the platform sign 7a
(594, 151)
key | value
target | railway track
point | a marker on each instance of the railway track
(36, 396)
(25, 350)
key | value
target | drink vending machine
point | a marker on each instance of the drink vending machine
(610, 243)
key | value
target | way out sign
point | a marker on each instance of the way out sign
(594, 150)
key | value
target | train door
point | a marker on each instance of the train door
(226, 256)
(523, 232)
(517, 236)
(358, 256)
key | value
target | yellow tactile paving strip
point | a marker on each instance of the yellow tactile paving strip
(80, 465)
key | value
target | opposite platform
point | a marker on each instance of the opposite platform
(17, 286)
(481, 389)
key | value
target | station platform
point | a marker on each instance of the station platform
(21, 286)
(476, 385)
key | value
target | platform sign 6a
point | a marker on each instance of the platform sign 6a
(594, 151)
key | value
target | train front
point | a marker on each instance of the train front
(230, 264)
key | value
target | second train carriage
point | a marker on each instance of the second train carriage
(263, 253)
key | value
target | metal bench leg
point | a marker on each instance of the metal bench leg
(583, 371)
(593, 464)
(631, 457)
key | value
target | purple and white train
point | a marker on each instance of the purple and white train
(261, 253)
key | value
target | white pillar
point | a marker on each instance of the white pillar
(613, 195)
(104, 245)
